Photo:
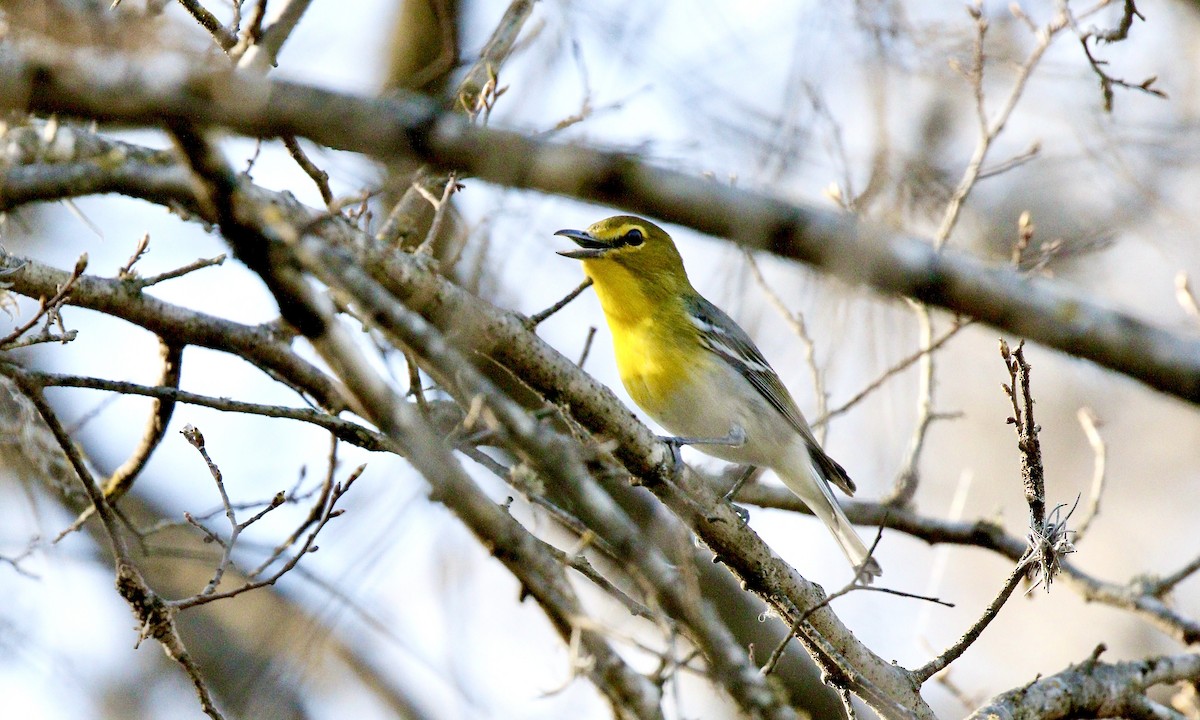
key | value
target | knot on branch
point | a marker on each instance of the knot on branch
(154, 615)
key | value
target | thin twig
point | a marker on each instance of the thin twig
(193, 436)
(1164, 585)
(990, 129)
(209, 22)
(587, 345)
(314, 514)
(479, 89)
(1087, 420)
(308, 546)
(777, 653)
(536, 319)
(319, 176)
(952, 653)
(49, 307)
(904, 364)
(138, 252)
(905, 486)
(440, 208)
(345, 430)
(14, 561)
(800, 328)
(191, 267)
(1117, 34)
(415, 387)
(1031, 153)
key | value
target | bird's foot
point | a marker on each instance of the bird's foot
(676, 457)
(731, 493)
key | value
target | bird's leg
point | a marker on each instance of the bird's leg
(675, 443)
(735, 438)
(745, 475)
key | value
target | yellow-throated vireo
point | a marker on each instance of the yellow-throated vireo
(696, 373)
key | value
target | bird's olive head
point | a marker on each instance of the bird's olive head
(631, 241)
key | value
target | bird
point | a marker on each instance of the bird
(696, 373)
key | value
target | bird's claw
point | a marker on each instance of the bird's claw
(675, 443)
(742, 512)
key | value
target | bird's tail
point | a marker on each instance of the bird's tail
(810, 485)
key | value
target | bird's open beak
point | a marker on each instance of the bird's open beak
(589, 247)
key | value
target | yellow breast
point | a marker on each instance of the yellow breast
(649, 369)
(653, 339)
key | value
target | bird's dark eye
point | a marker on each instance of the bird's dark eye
(634, 237)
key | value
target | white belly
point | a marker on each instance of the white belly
(711, 411)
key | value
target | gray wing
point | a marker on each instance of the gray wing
(723, 337)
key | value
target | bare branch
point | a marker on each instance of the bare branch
(990, 129)
(1117, 34)
(261, 54)
(46, 308)
(1031, 307)
(155, 616)
(314, 515)
(907, 479)
(1019, 392)
(1159, 588)
(345, 430)
(191, 267)
(266, 346)
(479, 88)
(1094, 689)
(1134, 595)
(440, 207)
(156, 426)
(407, 430)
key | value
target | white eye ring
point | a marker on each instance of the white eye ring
(634, 237)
